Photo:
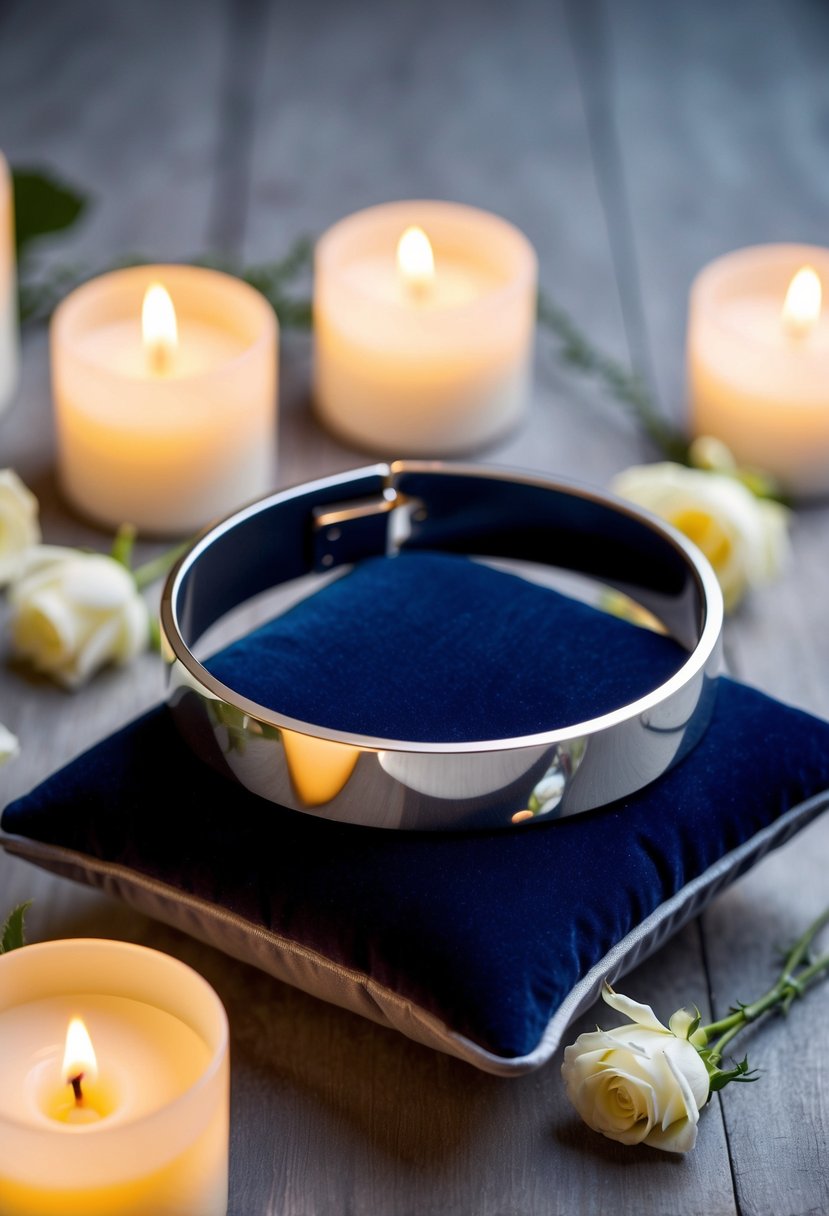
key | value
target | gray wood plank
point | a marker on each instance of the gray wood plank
(780, 641)
(124, 98)
(97, 93)
(100, 94)
(474, 1143)
(469, 101)
(332, 1114)
(591, 44)
(533, 165)
(359, 1120)
(721, 114)
(777, 1128)
(246, 23)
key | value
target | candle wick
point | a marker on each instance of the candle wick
(798, 330)
(160, 357)
(75, 1082)
(419, 289)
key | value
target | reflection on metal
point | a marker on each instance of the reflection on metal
(547, 796)
(319, 769)
(549, 792)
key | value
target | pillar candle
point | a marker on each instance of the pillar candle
(147, 1130)
(9, 342)
(758, 361)
(424, 317)
(164, 382)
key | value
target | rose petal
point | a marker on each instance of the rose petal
(98, 583)
(94, 653)
(9, 744)
(19, 529)
(743, 536)
(684, 1058)
(676, 1130)
(680, 1137)
(72, 612)
(44, 630)
(642, 1015)
(598, 1110)
(680, 1023)
(41, 556)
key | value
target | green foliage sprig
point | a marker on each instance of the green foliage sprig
(46, 206)
(12, 935)
(43, 205)
(645, 1082)
(626, 386)
(799, 971)
(275, 281)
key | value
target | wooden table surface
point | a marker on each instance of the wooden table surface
(632, 142)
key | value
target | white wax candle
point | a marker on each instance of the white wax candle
(146, 1056)
(423, 364)
(152, 1131)
(757, 381)
(9, 340)
(166, 445)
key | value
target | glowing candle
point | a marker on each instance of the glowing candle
(424, 317)
(79, 1072)
(159, 329)
(164, 380)
(115, 1084)
(758, 361)
(9, 341)
(416, 262)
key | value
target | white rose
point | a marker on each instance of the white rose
(744, 538)
(9, 746)
(19, 528)
(73, 612)
(640, 1083)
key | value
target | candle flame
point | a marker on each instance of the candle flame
(159, 328)
(801, 308)
(415, 259)
(79, 1057)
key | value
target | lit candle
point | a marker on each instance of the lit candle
(758, 361)
(164, 380)
(115, 1072)
(85, 1104)
(9, 341)
(424, 316)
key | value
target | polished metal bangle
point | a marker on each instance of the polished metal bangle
(394, 783)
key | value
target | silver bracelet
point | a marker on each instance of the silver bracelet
(395, 783)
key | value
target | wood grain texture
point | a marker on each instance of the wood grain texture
(721, 113)
(627, 142)
(469, 101)
(722, 121)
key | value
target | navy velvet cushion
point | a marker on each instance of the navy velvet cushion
(437, 648)
(486, 933)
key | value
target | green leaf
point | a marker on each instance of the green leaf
(627, 387)
(12, 937)
(43, 205)
(720, 1077)
(123, 544)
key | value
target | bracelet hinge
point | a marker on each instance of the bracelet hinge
(375, 526)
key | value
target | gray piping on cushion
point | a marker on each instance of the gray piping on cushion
(314, 973)
(279, 956)
(669, 918)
